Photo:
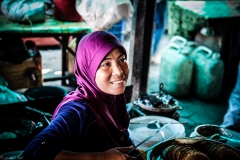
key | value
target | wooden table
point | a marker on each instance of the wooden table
(51, 27)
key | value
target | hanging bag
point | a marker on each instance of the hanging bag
(103, 14)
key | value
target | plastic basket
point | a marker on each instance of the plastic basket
(118, 29)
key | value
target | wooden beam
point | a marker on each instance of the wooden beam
(142, 45)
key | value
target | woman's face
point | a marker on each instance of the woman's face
(112, 73)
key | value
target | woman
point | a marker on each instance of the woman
(91, 122)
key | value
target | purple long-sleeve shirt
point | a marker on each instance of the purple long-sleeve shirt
(74, 129)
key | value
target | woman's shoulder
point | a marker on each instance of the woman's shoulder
(74, 108)
(75, 103)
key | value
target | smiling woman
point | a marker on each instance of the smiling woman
(92, 121)
(112, 74)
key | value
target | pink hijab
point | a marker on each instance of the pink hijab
(109, 110)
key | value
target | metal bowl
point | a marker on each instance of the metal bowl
(163, 108)
(208, 130)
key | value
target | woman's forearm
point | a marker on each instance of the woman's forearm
(79, 156)
(112, 154)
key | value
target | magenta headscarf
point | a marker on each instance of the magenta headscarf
(109, 110)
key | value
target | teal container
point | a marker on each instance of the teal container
(176, 67)
(208, 72)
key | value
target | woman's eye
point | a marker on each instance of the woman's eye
(105, 64)
(123, 60)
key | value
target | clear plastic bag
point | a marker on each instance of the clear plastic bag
(103, 14)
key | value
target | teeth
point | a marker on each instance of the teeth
(116, 82)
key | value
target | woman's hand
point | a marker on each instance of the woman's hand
(118, 153)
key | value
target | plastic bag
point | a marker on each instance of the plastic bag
(8, 96)
(24, 10)
(103, 14)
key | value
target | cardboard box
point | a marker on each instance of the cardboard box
(70, 57)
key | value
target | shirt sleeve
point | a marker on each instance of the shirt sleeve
(72, 121)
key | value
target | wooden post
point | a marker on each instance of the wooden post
(142, 46)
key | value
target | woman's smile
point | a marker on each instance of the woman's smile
(117, 82)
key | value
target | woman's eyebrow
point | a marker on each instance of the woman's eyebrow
(106, 58)
(122, 54)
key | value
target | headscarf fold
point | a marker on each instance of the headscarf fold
(109, 110)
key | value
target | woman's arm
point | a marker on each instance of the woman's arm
(111, 154)
(66, 131)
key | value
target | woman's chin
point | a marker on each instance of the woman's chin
(118, 91)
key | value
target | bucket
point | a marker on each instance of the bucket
(45, 98)
(139, 132)
(209, 130)
(45, 92)
(207, 73)
(176, 67)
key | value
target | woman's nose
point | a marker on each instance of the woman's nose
(117, 70)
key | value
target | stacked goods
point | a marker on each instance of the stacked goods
(198, 149)
(217, 151)
(185, 152)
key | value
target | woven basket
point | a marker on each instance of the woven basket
(27, 74)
